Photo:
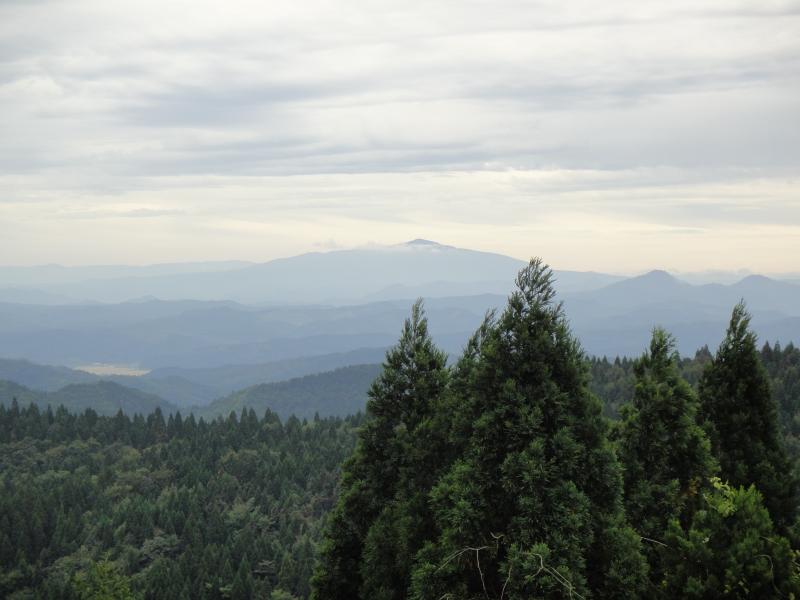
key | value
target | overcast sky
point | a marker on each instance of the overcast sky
(616, 136)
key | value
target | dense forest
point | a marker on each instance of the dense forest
(113, 507)
(524, 470)
(614, 382)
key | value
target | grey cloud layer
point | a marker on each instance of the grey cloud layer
(130, 108)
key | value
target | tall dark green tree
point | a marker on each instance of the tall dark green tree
(532, 508)
(740, 416)
(242, 588)
(370, 539)
(665, 454)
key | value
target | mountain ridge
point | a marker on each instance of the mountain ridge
(104, 397)
(343, 276)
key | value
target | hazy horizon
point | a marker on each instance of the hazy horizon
(726, 274)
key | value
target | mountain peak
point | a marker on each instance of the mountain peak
(755, 280)
(422, 242)
(657, 273)
(652, 280)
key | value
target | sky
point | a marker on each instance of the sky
(617, 136)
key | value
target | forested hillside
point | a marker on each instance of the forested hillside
(336, 393)
(41, 377)
(340, 392)
(187, 387)
(103, 397)
(522, 470)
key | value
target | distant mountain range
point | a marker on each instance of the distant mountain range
(419, 267)
(200, 335)
(244, 324)
(357, 276)
(617, 319)
(191, 335)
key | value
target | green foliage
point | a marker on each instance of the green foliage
(531, 506)
(614, 381)
(108, 507)
(102, 581)
(381, 515)
(517, 493)
(242, 588)
(729, 550)
(665, 454)
(741, 418)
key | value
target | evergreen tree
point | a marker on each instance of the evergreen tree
(242, 588)
(382, 471)
(729, 550)
(533, 506)
(740, 416)
(665, 454)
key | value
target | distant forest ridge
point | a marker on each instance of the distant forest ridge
(298, 309)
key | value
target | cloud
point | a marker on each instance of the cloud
(206, 117)
(121, 213)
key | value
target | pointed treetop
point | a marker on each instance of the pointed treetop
(535, 283)
(662, 351)
(418, 322)
(739, 328)
(414, 337)
(741, 417)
